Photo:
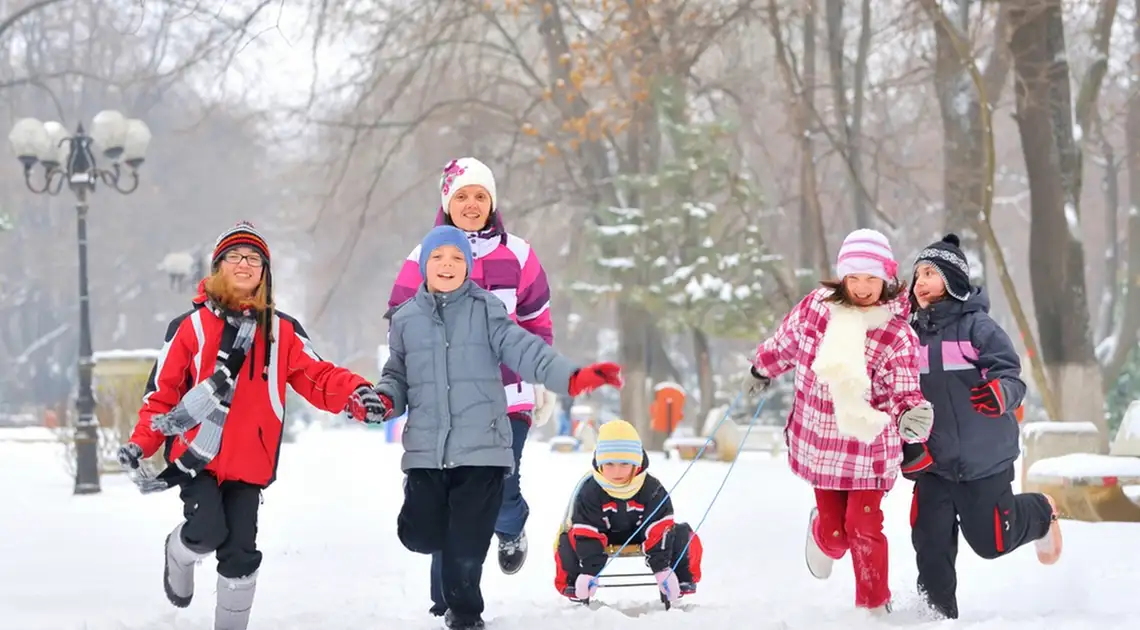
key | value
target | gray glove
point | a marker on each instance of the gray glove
(755, 384)
(915, 423)
(129, 455)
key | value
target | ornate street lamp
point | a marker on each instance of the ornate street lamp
(77, 161)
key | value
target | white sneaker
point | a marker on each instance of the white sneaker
(818, 563)
(880, 611)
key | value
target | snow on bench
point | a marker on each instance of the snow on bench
(1087, 469)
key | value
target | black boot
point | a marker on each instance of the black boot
(437, 610)
(463, 622)
(512, 554)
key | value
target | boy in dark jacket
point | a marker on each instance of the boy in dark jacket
(971, 373)
(446, 345)
(609, 505)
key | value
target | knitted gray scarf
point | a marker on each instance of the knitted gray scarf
(206, 405)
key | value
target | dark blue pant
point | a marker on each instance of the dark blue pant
(512, 514)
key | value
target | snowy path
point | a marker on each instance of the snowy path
(332, 559)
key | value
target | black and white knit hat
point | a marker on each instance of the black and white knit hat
(947, 257)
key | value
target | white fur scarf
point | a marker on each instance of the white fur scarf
(841, 364)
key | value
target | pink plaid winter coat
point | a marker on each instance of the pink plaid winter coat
(817, 451)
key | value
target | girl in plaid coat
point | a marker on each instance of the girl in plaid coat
(857, 398)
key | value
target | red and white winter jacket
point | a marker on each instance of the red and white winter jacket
(251, 437)
(818, 451)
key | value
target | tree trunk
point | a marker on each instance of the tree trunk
(1056, 257)
(848, 144)
(964, 173)
(810, 226)
(1125, 336)
(702, 352)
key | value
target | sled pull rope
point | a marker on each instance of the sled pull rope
(716, 494)
(669, 493)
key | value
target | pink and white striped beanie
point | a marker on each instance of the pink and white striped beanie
(867, 251)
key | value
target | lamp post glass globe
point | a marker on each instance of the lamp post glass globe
(55, 152)
(29, 140)
(108, 133)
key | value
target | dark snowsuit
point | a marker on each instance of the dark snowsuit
(597, 520)
(968, 486)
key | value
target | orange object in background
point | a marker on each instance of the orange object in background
(51, 420)
(1019, 413)
(668, 407)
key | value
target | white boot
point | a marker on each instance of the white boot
(818, 562)
(235, 600)
(1049, 547)
(178, 571)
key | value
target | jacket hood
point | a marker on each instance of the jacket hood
(948, 310)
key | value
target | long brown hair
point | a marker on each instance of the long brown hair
(839, 295)
(221, 291)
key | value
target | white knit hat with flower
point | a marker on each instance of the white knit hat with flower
(867, 251)
(466, 171)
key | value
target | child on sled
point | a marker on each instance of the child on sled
(617, 498)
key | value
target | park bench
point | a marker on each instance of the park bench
(1087, 486)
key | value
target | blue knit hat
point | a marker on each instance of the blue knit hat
(445, 235)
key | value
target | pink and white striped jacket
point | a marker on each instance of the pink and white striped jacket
(817, 451)
(506, 266)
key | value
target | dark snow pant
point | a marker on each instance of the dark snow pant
(222, 518)
(993, 520)
(513, 513)
(567, 566)
(452, 512)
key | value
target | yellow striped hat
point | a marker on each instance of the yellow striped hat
(618, 443)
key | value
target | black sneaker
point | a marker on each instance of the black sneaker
(456, 622)
(437, 610)
(512, 554)
(688, 588)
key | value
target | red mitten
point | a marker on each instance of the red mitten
(988, 398)
(594, 376)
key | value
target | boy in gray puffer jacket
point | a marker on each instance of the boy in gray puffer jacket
(446, 345)
(962, 476)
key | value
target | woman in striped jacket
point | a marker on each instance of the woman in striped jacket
(505, 265)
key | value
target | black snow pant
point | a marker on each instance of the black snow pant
(453, 511)
(993, 520)
(567, 566)
(222, 518)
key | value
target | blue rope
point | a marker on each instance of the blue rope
(649, 518)
(716, 495)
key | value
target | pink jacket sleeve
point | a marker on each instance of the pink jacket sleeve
(533, 309)
(407, 281)
(777, 354)
(895, 387)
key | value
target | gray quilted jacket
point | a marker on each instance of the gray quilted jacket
(443, 368)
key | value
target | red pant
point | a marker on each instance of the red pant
(853, 520)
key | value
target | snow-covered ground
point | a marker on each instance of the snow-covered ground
(332, 559)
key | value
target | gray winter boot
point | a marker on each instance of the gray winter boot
(235, 599)
(178, 571)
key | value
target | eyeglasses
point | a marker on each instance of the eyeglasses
(234, 258)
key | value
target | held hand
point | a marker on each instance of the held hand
(585, 587)
(668, 584)
(594, 376)
(988, 399)
(365, 405)
(915, 423)
(129, 455)
(755, 384)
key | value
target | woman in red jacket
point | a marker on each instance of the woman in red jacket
(221, 378)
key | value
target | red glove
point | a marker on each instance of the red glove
(987, 398)
(916, 458)
(594, 376)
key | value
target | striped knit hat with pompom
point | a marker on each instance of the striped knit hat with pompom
(242, 234)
